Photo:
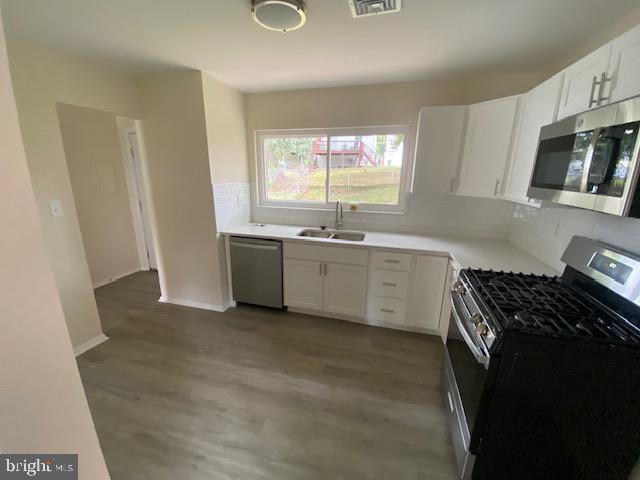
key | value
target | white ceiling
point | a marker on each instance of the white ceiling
(428, 39)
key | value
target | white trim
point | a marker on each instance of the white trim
(106, 281)
(406, 173)
(89, 344)
(192, 304)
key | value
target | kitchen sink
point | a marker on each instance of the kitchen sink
(350, 236)
(332, 234)
(315, 233)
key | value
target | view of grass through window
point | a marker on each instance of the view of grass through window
(362, 169)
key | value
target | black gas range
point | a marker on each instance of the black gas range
(543, 373)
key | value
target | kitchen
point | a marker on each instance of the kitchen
(413, 262)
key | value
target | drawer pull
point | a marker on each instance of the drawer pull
(389, 284)
(388, 260)
(387, 310)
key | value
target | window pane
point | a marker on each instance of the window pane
(366, 168)
(295, 168)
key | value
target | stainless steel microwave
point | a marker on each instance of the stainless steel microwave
(590, 160)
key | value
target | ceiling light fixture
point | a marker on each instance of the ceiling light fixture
(279, 15)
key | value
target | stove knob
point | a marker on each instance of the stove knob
(476, 319)
(459, 288)
(482, 329)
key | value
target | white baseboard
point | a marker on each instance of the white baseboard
(189, 303)
(89, 344)
(102, 283)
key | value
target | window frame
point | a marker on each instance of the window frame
(406, 172)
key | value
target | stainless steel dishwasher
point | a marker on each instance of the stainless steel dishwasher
(256, 271)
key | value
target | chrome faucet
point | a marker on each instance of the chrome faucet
(339, 215)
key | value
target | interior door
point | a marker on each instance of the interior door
(303, 284)
(624, 67)
(579, 89)
(345, 289)
(487, 144)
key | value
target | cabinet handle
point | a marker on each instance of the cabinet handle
(325, 269)
(387, 310)
(320, 269)
(389, 284)
(495, 189)
(386, 260)
(603, 81)
(451, 185)
(593, 101)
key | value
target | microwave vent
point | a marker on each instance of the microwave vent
(365, 8)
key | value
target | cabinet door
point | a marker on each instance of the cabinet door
(579, 87)
(538, 108)
(624, 67)
(303, 284)
(426, 292)
(438, 148)
(487, 146)
(345, 289)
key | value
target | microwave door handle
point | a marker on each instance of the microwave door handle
(591, 151)
(475, 350)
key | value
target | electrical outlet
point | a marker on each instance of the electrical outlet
(55, 207)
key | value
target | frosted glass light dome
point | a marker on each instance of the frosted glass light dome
(279, 15)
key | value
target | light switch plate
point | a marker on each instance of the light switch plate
(55, 207)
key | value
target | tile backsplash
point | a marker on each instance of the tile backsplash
(433, 214)
(232, 203)
(545, 232)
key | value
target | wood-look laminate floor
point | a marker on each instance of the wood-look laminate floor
(188, 394)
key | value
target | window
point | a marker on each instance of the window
(315, 168)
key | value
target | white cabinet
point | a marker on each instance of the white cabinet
(438, 146)
(325, 278)
(345, 289)
(303, 284)
(624, 66)
(487, 146)
(581, 88)
(427, 290)
(538, 107)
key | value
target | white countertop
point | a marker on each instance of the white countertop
(466, 252)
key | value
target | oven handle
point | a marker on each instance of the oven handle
(475, 350)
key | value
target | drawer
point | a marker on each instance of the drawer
(325, 253)
(391, 260)
(386, 283)
(385, 309)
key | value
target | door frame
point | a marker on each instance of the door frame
(139, 204)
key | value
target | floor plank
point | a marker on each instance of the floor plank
(252, 393)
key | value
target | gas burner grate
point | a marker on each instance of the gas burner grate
(544, 305)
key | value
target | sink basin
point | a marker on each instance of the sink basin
(349, 236)
(315, 233)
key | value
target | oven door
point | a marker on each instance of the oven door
(466, 366)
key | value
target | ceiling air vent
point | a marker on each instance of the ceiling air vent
(364, 8)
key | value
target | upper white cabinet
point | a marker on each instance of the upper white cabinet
(582, 87)
(538, 107)
(624, 67)
(487, 146)
(438, 148)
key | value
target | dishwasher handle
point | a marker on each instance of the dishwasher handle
(255, 246)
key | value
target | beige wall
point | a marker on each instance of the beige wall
(97, 171)
(226, 131)
(42, 79)
(42, 404)
(179, 183)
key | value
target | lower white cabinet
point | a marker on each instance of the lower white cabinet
(303, 284)
(345, 289)
(427, 291)
(328, 287)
